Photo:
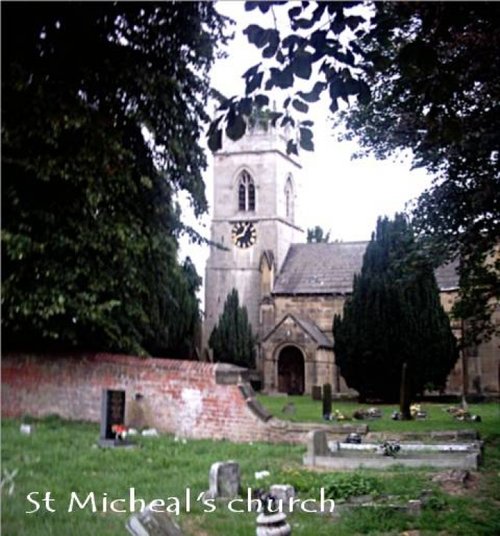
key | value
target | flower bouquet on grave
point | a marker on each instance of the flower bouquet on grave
(120, 431)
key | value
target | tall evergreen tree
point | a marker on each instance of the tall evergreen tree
(394, 316)
(232, 340)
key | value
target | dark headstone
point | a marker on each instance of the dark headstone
(327, 399)
(316, 392)
(112, 413)
(152, 523)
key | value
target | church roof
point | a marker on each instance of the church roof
(308, 326)
(329, 268)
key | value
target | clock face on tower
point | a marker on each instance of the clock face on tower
(244, 234)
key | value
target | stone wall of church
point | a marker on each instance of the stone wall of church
(483, 362)
(262, 155)
(320, 309)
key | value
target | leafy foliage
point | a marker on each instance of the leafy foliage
(102, 107)
(336, 485)
(311, 49)
(232, 340)
(434, 73)
(317, 235)
(394, 317)
(422, 76)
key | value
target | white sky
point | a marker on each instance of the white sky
(341, 195)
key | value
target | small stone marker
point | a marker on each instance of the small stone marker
(317, 444)
(288, 409)
(152, 523)
(26, 429)
(414, 507)
(224, 480)
(282, 494)
(150, 432)
(112, 413)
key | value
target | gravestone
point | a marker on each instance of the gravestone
(288, 409)
(282, 494)
(224, 480)
(316, 393)
(112, 413)
(152, 523)
(317, 444)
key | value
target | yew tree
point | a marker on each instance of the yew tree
(393, 317)
(232, 339)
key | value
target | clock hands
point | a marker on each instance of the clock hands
(242, 233)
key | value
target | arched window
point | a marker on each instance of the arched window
(246, 192)
(289, 199)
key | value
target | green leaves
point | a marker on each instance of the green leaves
(314, 94)
(295, 57)
(300, 106)
(427, 87)
(253, 79)
(268, 40)
(306, 139)
(417, 57)
(236, 126)
(302, 67)
(90, 223)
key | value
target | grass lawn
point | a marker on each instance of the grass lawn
(308, 410)
(61, 457)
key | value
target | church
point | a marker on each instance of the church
(293, 289)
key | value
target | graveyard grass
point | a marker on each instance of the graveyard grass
(62, 457)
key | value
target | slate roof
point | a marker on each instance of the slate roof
(330, 268)
(308, 326)
(315, 332)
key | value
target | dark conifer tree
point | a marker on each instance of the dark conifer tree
(394, 316)
(232, 340)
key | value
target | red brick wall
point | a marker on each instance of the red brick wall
(182, 397)
(191, 399)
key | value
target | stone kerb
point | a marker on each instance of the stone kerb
(347, 456)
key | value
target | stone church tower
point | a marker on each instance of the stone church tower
(254, 221)
(291, 289)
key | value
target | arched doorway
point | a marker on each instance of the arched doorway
(291, 371)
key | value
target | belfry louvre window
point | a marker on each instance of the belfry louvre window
(246, 192)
